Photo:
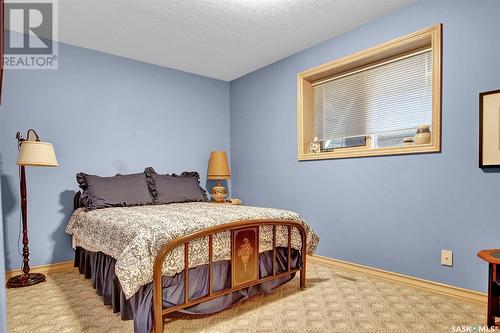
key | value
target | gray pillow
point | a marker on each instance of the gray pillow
(172, 188)
(117, 191)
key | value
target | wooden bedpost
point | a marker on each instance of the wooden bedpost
(303, 270)
(158, 292)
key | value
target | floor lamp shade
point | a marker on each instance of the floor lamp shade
(37, 153)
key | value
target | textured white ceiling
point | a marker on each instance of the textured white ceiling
(223, 39)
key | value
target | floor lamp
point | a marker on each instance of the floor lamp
(32, 152)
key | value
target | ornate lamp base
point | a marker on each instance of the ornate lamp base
(219, 193)
(25, 280)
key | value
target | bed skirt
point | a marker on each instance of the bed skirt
(100, 268)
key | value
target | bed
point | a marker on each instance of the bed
(196, 257)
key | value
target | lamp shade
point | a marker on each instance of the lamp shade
(37, 153)
(218, 168)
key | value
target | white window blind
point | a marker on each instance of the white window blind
(390, 97)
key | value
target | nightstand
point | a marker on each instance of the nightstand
(492, 257)
(228, 202)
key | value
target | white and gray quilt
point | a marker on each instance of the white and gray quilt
(134, 235)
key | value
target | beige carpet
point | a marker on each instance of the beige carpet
(334, 301)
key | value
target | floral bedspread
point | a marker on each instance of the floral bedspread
(134, 235)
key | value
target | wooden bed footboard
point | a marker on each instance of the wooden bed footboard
(244, 262)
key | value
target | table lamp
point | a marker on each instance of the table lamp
(32, 152)
(218, 169)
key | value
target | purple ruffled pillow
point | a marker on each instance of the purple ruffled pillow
(174, 188)
(116, 191)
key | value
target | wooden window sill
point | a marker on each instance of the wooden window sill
(366, 152)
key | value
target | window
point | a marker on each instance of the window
(373, 102)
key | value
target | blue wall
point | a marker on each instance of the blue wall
(395, 213)
(105, 115)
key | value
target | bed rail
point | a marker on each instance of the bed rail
(244, 262)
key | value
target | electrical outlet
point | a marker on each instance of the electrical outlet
(447, 258)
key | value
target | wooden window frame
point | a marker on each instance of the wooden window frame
(426, 38)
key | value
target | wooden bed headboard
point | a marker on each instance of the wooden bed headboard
(77, 200)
